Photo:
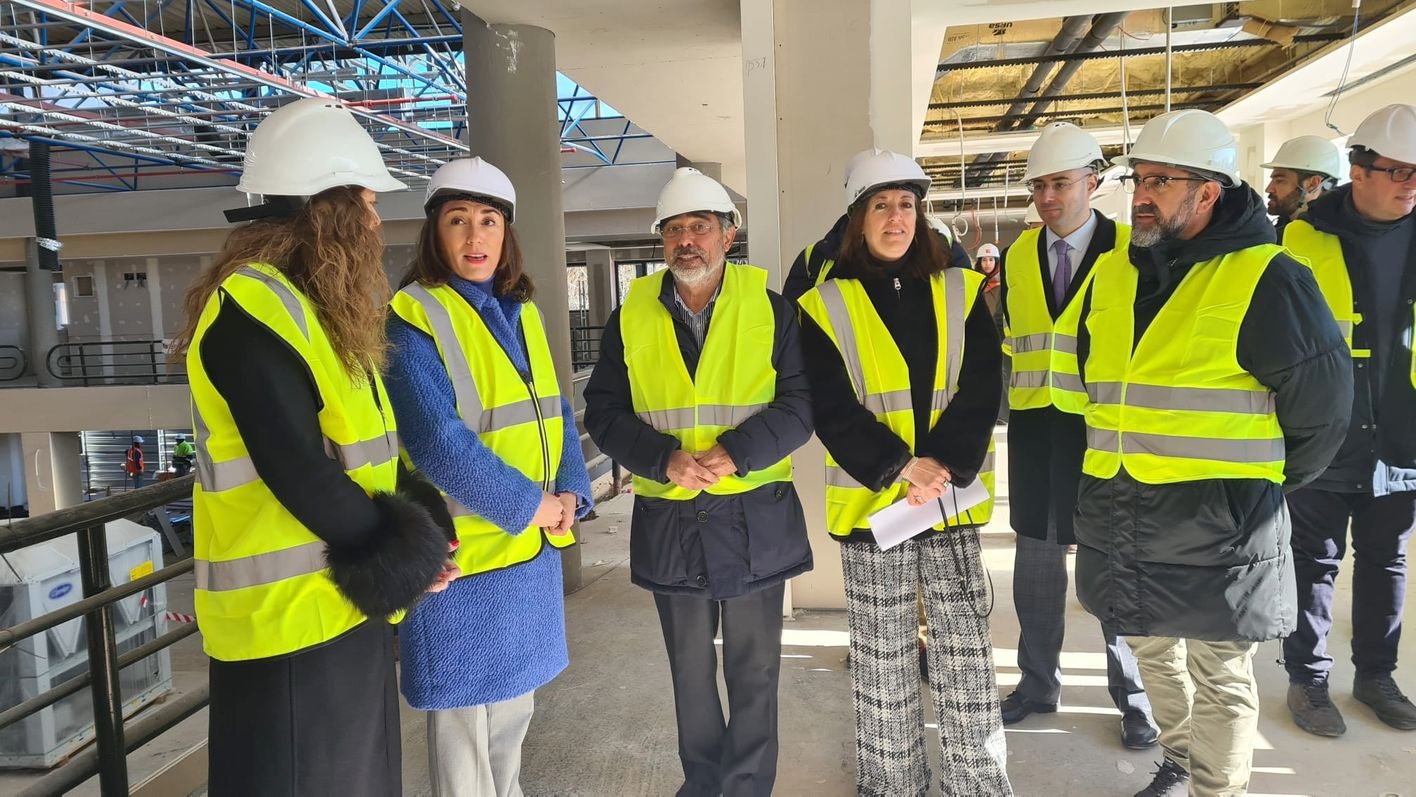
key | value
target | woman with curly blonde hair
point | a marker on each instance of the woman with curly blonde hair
(304, 549)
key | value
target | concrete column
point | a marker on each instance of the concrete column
(511, 100)
(601, 275)
(821, 81)
(12, 471)
(39, 311)
(53, 470)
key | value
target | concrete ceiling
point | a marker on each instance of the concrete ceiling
(675, 66)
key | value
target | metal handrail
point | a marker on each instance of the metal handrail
(13, 363)
(585, 346)
(120, 362)
(109, 757)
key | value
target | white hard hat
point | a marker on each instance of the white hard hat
(872, 168)
(1189, 139)
(1032, 216)
(138, 439)
(1389, 132)
(1308, 154)
(1062, 147)
(989, 250)
(309, 146)
(942, 227)
(692, 191)
(473, 176)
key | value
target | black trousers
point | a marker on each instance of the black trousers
(323, 721)
(737, 756)
(1381, 528)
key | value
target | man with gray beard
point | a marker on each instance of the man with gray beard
(701, 393)
(1213, 379)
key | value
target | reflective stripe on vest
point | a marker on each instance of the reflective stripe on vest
(1177, 406)
(735, 378)
(1030, 330)
(262, 588)
(520, 422)
(880, 377)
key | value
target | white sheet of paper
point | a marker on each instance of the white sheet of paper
(899, 521)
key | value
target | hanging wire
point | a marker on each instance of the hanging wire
(961, 224)
(1125, 105)
(1342, 81)
(1169, 25)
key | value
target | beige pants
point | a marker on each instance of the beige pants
(476, 751)
(1206, 703)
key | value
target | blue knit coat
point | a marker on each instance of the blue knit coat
(497, 635)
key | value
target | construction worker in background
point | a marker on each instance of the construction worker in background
(701, 393)
(1304, 169)
(303, 550)
(183, 454)
(986, 259)
(1360, 241)
(1212, 378)
(1044, 271)
(133, 462)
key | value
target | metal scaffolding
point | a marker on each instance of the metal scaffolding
(130, 90)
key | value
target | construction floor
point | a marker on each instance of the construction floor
(606, 727)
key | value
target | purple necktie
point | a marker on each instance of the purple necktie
(1062, 276)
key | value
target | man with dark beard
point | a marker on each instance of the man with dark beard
(701, 393)
(1215, 380)
(1361, 243)
(1304, 169)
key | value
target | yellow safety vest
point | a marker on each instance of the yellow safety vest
(1028, 333)
(516, 416)
(881, 380)
(1177, 406)
(262, 588)
(735, 378)
(1322, 252)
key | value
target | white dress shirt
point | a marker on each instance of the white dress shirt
(1079, 240)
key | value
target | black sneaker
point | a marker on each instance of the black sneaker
(1382, 694)
(1171, 780)
(1313, 710)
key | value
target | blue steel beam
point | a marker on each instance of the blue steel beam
(389, 7)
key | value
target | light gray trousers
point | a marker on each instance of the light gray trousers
(476, 751)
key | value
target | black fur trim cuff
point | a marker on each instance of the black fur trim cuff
(397, 564)
(417, 488)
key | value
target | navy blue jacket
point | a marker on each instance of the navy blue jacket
(716, 546)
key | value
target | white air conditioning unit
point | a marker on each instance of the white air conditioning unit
(43, 578)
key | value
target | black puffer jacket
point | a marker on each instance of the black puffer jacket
(1210, 559)
(717, 546)
(1379, 455)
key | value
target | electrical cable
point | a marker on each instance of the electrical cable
(1342, 81)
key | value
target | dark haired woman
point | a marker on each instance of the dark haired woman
(303, 549)
(483, 418)
(904, 363)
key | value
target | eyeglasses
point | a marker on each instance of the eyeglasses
(697, 228)
(1039, 186)
(1155, 183)
(1398, 174)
